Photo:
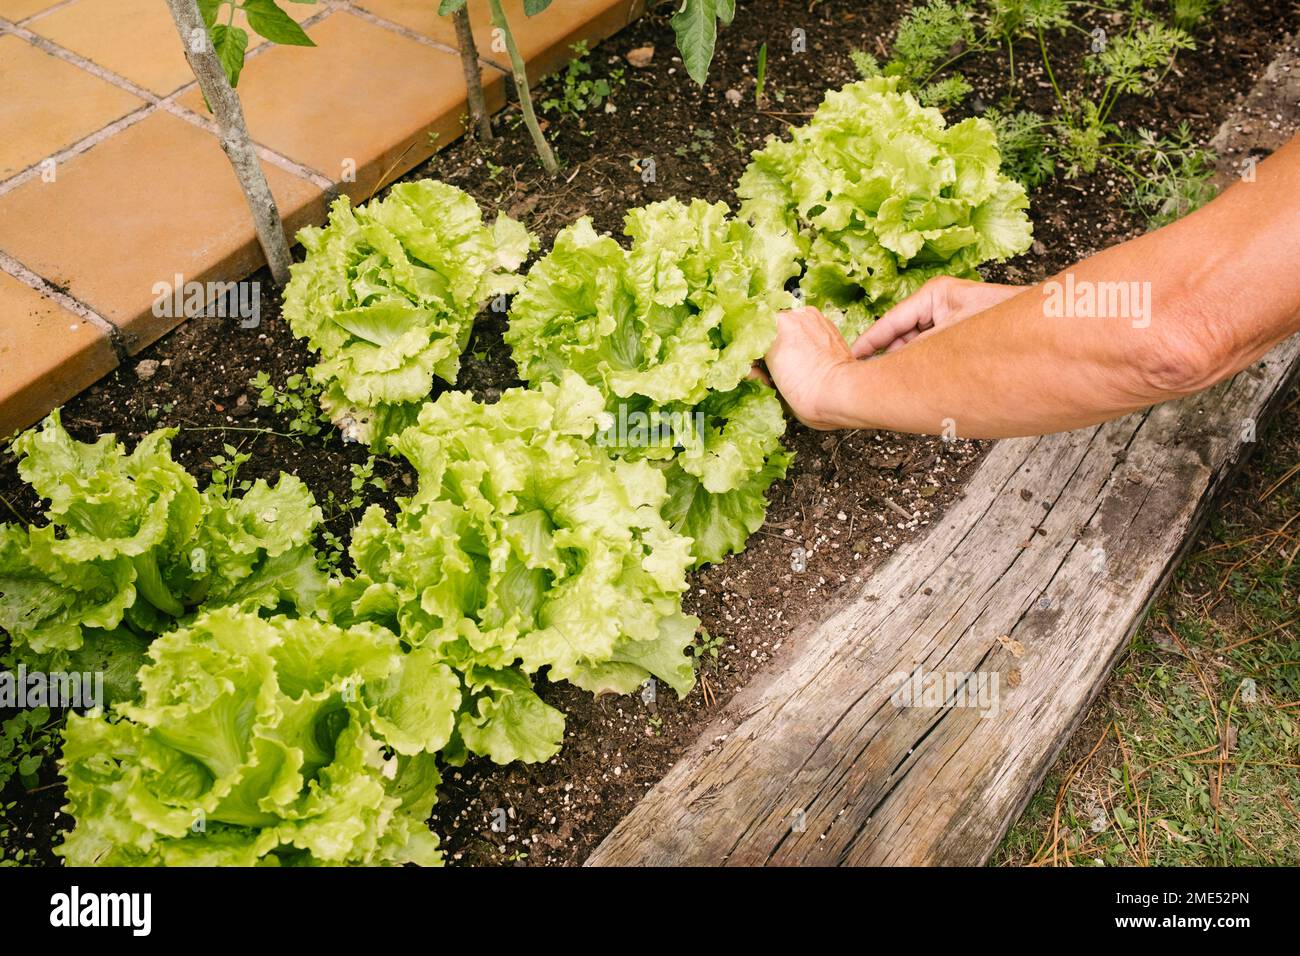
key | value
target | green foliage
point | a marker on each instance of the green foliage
(1135, 63)
(1024, 141)
(866, 64)
(881, 196)
(131, 544)
(578, 91)
(363, 477)
(265, 17)
(297, 403)
(668, 330)
(695, 25)
(254, 741)
(700, 145)
(1081, 137)
(760, 75)
(1008, 19)
(1170, 175)
(27, 739)
(945, 93)
(705, 649)
(928, 37)
(387, 294)
(1190, 14)
(526, 546)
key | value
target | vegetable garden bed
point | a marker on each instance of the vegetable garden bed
(849, 502)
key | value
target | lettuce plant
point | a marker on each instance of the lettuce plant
(387, 295)
(525, 548)
(668, 329)
(130, 543)
(881, 195)
(255, 741)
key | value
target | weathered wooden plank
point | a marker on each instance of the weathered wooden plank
(1057, 548)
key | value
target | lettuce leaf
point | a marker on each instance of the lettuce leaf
(882, 195)
(282, 741)
(668, 330)
(387, 295)
(526, 547)
(131, 543)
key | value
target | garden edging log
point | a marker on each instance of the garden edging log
(1030, 589)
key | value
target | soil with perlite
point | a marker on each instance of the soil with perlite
(850, 499)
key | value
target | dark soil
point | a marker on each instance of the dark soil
(850, 499)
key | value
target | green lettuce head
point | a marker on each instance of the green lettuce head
(881, 195)
(131, 544)
(526, 547)
(387, 295)
(667, 330)
(281, 741)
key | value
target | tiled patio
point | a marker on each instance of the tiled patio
(112, 179)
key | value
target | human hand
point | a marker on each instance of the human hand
(942, 301)
(807, 357)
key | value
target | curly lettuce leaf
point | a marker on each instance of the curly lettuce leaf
(525, 548)
(883, 195)
(387, 295)
(131, 543)
(667, 330)
(263, 741)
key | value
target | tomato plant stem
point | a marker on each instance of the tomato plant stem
(520, 73)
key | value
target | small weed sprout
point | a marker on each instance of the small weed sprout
(297, 402)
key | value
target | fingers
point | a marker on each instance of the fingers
(759, 374)
(902, 340)
(913, 314)
(941, 301)
(805, 313)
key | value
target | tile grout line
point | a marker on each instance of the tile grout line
(77, 60)
(319, 180)
(12, 267)
(168, 102)
(153, 101)
(80, 146)
(41, 14)
(410, 34)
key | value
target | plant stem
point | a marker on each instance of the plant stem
(520, 74)
(473, 78)
(1042, 45)
(233, 132)
(947, 63)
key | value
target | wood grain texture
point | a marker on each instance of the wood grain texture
(1032, 584)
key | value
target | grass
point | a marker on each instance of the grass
(1191, 754)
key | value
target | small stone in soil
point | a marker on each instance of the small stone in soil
(641, 56)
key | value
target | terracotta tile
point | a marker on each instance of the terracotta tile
(48, 104)
(422, 17)
(544, 40)
(135, 38)
(364, 94)
(47, 355)
(16, 10)
(157, 199)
